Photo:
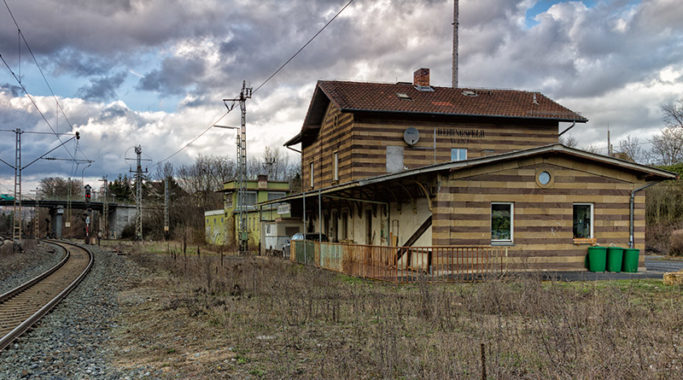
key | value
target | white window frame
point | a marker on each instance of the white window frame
(335, 166)
(512, 223)
(311, 174)
(592, 208)
(250, 193)
(460, 154)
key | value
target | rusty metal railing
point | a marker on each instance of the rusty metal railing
(403, 264)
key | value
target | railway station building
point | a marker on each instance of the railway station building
(410, 164)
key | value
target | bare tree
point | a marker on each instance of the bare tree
(673, 114)
(667, 148)
(569, 141)
(592, 149)
(58, 187)
(164, 171)
(630, 147)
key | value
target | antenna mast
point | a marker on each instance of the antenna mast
(455, 43)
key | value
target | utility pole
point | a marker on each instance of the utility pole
(242, 167)
(455, 43)
(166, 198)
(88, 214)
(67, 222)
(138, 192)
(105, 209)
(36, 217)
(609, 143)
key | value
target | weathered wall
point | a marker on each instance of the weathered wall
(122, 216)
(361, 143)
(543, 236)
(334, 136)
(215, 227)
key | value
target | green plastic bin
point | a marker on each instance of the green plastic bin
(615, 257)
(597, 259)
(631, 260)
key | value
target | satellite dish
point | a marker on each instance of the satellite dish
(411, 136)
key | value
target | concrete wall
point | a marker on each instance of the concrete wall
(119, 218)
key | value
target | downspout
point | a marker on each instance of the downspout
(304, 230)
(566, 130)
(633, 196)
(292, 149)
(320, 217)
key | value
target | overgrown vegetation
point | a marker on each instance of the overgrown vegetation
(664, 213)
(269, 318)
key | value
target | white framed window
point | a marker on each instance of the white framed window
(458, 154)
(311, 171)
(250, 198)
(335, 166)
(502, 222)
(582, 220)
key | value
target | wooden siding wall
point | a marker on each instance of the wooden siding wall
(370, 139)
(542, 220)
(334, 136)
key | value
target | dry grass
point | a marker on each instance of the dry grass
(264, 317)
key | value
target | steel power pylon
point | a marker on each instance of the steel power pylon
(242, 167)
(18, 168)
(16, 228)
(138, 192)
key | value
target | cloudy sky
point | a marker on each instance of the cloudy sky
(153, 72)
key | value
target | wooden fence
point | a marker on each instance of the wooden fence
(402, 264)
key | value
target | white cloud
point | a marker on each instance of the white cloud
(615, 62)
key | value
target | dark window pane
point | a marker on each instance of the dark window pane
(582, 221)
(501, 222)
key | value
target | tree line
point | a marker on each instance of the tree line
(193, 189)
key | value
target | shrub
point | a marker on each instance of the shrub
(676, 243)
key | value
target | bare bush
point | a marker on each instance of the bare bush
(321, 324)
(676, 243)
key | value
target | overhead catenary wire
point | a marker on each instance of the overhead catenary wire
(277, 71)
(18, 79)
(302, 48)
(28, 47)
(28, 95)
(194, 139)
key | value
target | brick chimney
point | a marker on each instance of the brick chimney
(421, 77)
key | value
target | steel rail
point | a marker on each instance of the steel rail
(35, 317)
(4, 297)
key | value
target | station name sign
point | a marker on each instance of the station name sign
(459, 136)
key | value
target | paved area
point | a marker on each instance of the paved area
(656, 267)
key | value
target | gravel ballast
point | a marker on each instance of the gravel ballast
(74, 340)
(16, 269)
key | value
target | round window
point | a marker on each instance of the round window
(544, 178)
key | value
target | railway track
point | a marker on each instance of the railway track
(23, 306)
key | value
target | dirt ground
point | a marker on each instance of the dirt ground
(207, 317)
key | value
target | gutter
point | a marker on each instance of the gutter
(633, 195)
(574, 119)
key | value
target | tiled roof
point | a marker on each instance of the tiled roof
(384, 97)
(407, 99)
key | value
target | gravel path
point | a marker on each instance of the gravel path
(16, 269)
(72, 342)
